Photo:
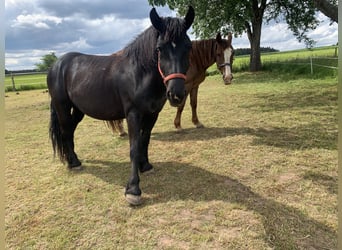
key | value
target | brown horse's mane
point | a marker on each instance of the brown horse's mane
(199, 55)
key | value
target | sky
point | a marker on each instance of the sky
(35, 28)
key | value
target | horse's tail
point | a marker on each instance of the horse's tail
(56, 135)
(55, 77)
(116, 126)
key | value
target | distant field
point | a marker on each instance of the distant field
(26, 82)
(241, 63)
(322, 55)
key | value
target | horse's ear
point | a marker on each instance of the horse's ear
(156, 21)
(230, 37)
(189, 17)
(218, 37)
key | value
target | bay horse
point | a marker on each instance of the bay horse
(203, 54)
(133, 84)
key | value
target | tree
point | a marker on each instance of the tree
(328, 8)
(248, 16)
(47, 62)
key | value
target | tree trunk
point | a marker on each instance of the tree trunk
(328, 9)
(255, 63)
(254, 33)
(254, 40)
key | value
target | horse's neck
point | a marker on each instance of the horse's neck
(203, 53)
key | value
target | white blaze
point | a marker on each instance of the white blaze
(227, 54)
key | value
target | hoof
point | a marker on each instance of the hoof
(199, 125)
(122, 134)
(179, 129)
(149, 172)
(134, 200)
(76, 168)
(146, 168)
(77, 165)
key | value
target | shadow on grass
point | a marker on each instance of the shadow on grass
(286, 227)
(313, 135)
(329, 182)
(319, 98)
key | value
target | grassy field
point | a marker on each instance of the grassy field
(262, 174)
(26, 82)
(296, 60)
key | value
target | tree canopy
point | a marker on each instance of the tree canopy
(47, 62)
(238, 16)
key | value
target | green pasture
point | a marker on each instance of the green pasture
(288, 63)
(322, 55)
(25, 82)
(262, 174)
(292, 63)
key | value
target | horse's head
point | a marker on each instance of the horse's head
(224, 57)
(173, 46)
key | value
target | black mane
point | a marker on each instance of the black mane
(142, 50)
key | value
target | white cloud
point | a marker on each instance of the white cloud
(36, 20)
(80, 44)
(35, 27)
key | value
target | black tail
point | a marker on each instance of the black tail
(56, 135)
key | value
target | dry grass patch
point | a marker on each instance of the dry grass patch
(262, 174)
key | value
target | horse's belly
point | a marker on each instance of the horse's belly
(103, 107)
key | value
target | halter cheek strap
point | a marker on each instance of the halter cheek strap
(171, 76)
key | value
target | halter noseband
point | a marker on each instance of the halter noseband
(224, 64)
(171, 76)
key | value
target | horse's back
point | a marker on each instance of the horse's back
(89, 82)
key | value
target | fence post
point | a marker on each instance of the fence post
(13, 83)
(311, 65)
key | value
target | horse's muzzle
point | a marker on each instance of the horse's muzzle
(227, 79)
(174, 99)
(176, 92)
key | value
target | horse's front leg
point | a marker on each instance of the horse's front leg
(133, 192)
(147, 125)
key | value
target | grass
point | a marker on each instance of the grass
(25, 82)
(292, 64)
(262, 174)
(289, 64)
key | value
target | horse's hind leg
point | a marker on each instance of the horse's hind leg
(77, 117)
(177, 121)
(63, 132)
(193, 103)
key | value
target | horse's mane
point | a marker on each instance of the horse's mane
(142, 50)
(199, 52)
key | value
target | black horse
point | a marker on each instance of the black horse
(133, 83)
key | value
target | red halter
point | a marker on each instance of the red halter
(171, 76)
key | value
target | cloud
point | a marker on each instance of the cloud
(100, 27)
(39, 21)
(35, 28)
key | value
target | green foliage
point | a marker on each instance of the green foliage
(212, 16)
(247, 51)
(235, 15)
(299, 15)
(47, 62)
